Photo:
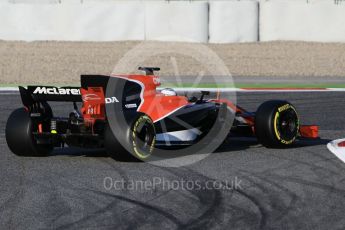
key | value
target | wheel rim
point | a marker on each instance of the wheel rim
(143, 138)
(287, 124)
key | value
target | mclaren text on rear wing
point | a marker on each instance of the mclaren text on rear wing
(50, 93)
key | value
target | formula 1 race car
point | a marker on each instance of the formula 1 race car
(128, 115)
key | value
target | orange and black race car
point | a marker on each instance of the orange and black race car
(128, 115)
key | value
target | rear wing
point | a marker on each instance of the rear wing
(33, 94)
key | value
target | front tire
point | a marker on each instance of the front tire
(19, 136)
(276, 124)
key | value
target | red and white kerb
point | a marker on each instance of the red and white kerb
(337, 147)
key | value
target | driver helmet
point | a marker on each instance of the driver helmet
(169, 92)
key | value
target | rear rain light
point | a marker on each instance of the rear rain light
(40, 129)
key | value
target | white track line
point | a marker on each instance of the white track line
(337, 89)
(7, 89)
(14, 90)
(258, 90)
(336, 150)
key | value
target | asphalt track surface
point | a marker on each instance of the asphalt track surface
(297, 188)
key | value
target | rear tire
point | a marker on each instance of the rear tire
(276, 124)
(114, 148)
(19, 135)
(140, 138)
